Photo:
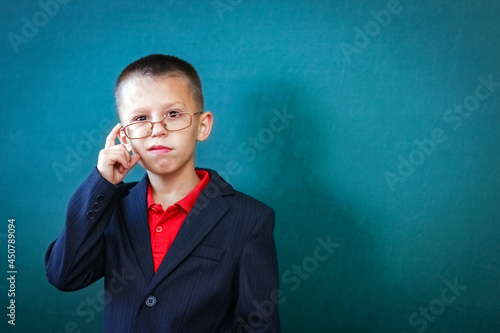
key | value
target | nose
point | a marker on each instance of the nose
(159, 129)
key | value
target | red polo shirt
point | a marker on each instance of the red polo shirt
(165, 224)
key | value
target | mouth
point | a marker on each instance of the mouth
(159, 150)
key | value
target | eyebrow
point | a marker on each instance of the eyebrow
(165, 106)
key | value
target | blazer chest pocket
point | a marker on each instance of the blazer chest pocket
(210, 253)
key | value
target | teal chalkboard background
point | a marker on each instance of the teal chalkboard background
(387, 147)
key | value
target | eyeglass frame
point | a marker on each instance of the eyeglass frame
(152, 123)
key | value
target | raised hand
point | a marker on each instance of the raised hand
(115, 160)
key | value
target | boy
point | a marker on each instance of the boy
(181, 250)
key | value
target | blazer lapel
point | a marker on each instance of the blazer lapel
(206, 213)
(135, 216)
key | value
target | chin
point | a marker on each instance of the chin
(162, 168)
(166, 166)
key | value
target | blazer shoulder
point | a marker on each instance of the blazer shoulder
(247, 202)
(235, 198)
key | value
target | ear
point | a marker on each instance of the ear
(125, 140)
(205, 126)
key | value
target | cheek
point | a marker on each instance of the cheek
(187, 138)
(136, 146)
(194, 132)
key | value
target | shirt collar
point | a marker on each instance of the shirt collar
(189, 200)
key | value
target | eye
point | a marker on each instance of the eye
(173, 114)
(140, 118)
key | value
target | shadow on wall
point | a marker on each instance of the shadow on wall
(332, 286)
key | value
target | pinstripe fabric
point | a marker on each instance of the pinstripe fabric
(219, 275)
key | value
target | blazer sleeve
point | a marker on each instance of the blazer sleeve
(257, 280)
(76, 258)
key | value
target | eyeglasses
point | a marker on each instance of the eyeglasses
(173, 121)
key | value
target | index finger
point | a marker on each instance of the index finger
(110, 139)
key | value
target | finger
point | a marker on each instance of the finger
(117, 156)
(127, 147)
(126, 155)
(133, 160)
(120, 148)
(110, 139)
(119, 139)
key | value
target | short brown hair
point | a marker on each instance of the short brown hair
(160, 65)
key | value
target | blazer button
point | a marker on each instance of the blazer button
(151, 301)
(91, 214)
(95, 207)
(101, 198)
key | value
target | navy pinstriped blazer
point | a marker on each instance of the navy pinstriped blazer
(219, 275)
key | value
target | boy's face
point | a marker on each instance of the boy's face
(145, 98)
